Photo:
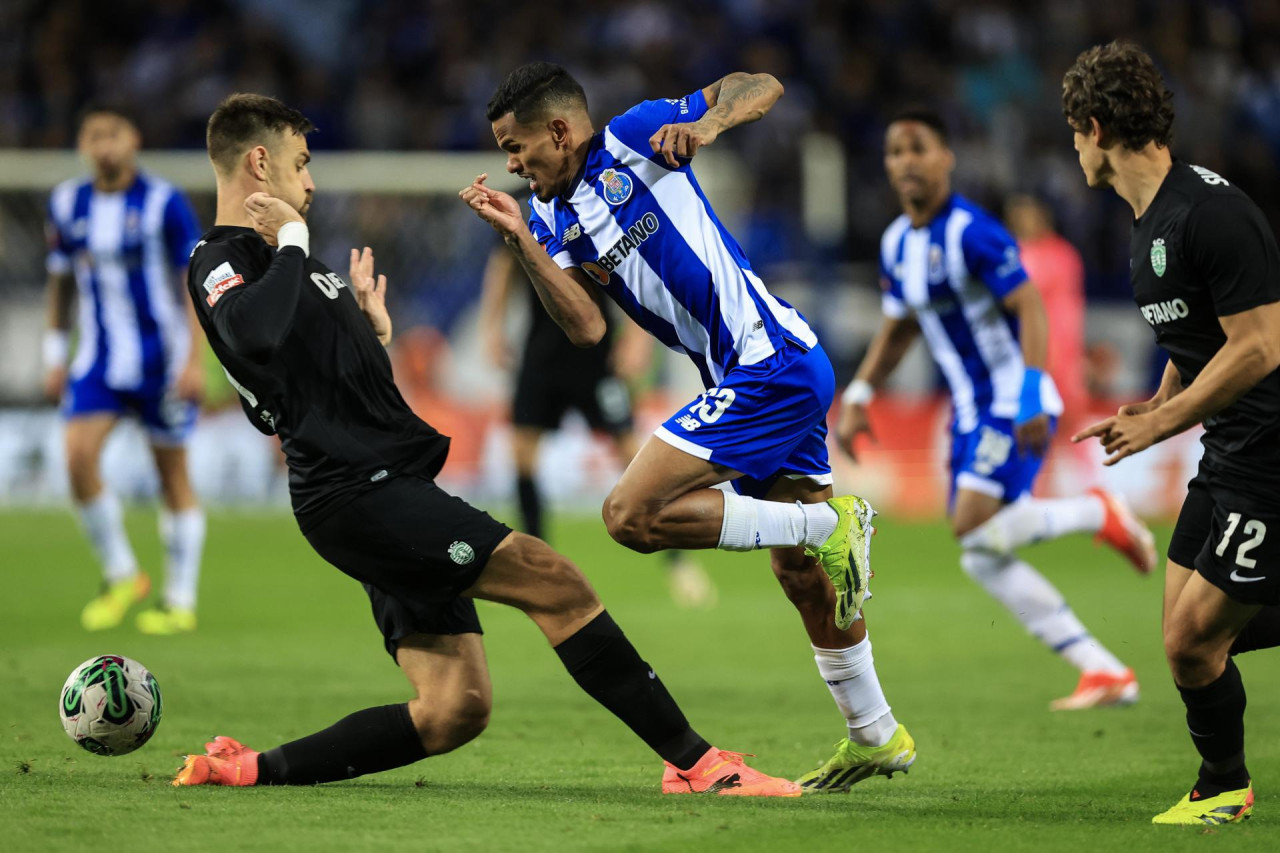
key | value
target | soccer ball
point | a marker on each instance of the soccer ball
(110, 705)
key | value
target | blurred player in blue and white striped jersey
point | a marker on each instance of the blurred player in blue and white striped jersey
(619, 213)
(951, 271)
(119, 240)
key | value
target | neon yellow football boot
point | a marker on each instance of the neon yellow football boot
(1194, 810)
(846, 556)
(108, 609)
(166, 620)
(853, 762)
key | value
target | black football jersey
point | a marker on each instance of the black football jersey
(1201, 251)
(308, 368)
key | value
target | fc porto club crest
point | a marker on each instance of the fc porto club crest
(1158, 256)
(617, 186)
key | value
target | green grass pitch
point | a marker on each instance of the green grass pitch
(286, 646)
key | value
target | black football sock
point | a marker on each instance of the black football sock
(530, 505)
(1261, 632)
(1215, 718)
(367, 741)
(605, 664)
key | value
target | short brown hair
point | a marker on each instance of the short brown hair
(243, 120)
(1121, 87)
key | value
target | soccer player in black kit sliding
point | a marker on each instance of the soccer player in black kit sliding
(304, 348)
(1205, 272)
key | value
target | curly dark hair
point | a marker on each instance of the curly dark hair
(244, 120)
(531, 89)
(1121, 87)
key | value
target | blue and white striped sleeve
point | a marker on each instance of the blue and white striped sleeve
(634, 127)
(549, 241)
(58, 259)
(991, 253)
(181, 230)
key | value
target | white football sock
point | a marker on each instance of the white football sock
(750, 524)
(183, 537)
(103, 521)
(851, 677)
(1040, 608)
(1031, 519)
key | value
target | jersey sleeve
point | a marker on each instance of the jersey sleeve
(634, 127)
(181, 231)
(891, 302)
(549, 240)
(991, 254)
(58, 258)
(1229, 244)
(250, 307)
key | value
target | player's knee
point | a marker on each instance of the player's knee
(629, 525)
(1185, 653)
(444, 725)
(982, 565)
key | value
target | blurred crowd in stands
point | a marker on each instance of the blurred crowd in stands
(415, 75)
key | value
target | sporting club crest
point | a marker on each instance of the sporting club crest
(617, 186)
(1158, 256)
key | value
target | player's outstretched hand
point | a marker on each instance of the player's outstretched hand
(268, 214)
(493, 206)
(1123, 435)
(682, 140)
(1033, 435)
(854, 419)
(371, 293)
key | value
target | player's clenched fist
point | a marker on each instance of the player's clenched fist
(493, 206)
(268, 214)
(682, 140)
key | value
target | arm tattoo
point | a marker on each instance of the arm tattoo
(743, 98)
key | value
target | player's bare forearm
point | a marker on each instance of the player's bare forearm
(566, 298)
(61, 288)
(1033, 324)
(887, 350)
(740, 98)
(1251, 353)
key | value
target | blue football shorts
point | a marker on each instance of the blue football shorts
(167, 419)
(765, 420)
(987, 460)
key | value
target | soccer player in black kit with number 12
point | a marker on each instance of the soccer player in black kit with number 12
(1205, 272)
(305, 350)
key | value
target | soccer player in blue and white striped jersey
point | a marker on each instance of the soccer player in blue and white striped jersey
(951, 271)
(619, 213)
(119, 240)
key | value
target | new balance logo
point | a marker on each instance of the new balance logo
(573, 232)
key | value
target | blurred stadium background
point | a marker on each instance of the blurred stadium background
(397, 90)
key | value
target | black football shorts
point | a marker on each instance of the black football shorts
(1230, 538)
(545, 392)
(415, 547)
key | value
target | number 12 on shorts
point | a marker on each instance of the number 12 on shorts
(1253, 528)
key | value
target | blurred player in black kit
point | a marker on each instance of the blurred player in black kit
(304, 348)
(554, 377)
(1205, 271)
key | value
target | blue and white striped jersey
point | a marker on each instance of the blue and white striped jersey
(646, 233)
(951, 275)
(126, 250)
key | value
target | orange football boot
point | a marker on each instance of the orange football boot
(1125, 532)
(1098, 690)
(725, 773)
(226, 762)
